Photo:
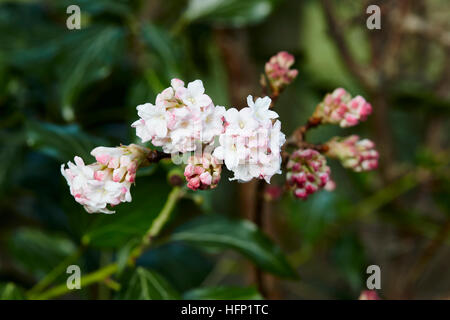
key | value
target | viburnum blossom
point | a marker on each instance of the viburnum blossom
(251, 143)
(358, 155)
(307, 172)
(182, 118)
(340, 108)
(107, 181)
(203, 172)
(278, 71)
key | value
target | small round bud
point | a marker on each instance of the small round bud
(203, 172)
(358, 155)
(307, 172)
(340, 108)
(278, 71)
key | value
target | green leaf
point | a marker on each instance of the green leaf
(148, 285)
(240, 235)
(39, 252)
(185, 266)
(131, 219)
(10, 153)
(235, 13)
(164, 47)
(61, 142)
(9, 291)
(90, 58)
(223, 293)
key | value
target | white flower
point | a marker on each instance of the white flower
(232, 150)
(240, 122)
(193, 96)
(182, 119)
(260, 109)
(212, 123)
(153, 122)
(107, 181)
(249, 147)
(92, 186)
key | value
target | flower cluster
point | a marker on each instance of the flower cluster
(278, 71)
(251, 143)
(307, 172)
(203, 172)
(358, 155)
(340, 108)
(181, 119)
(107, 181)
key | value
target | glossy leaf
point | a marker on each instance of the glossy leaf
(39, 252)
(131, 219)
(229, 12)
(240, 235)
(223, 293)
(146, 284)
(61, 142)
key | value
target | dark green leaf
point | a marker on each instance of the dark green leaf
(61, 142)
(222, 293)
(39, 252)
(148, 285)
(131, 219)
(229, 12)
(185, 266)
(240, 235)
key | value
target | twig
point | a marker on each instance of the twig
(427, 255)
(361, 73)
(156, 156)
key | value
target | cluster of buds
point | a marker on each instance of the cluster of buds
(278, 72)
(203, 172)
(358, 155)
(307, 172)
(107, 181)
(340, 108)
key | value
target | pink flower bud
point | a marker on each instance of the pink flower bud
(203, 172)
(307, 172)
(278, 71)
(369, 295)
(340, 108)
(358, 155)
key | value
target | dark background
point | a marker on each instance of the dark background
(63, 92)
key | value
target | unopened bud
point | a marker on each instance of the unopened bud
(358, 155)
(307, 172)
(340, 108)
(278, 71)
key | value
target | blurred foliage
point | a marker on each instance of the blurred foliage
(63, 92)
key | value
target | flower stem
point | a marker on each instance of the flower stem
(52, 275)
(157, 224)
(110, 269)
